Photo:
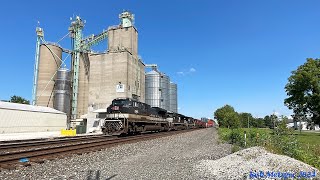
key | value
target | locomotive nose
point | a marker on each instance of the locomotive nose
(115, 108)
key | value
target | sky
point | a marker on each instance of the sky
(218, 51)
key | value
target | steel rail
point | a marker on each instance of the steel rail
(38, 142)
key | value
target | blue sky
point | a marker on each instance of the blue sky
(219, 52)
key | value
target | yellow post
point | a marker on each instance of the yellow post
(68, 132)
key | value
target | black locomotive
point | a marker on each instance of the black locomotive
(128, 116)
(131, 106)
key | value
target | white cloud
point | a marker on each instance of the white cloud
(180, 73)
(192, 70)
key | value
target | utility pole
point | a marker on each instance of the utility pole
(300, 125)
(274, 120)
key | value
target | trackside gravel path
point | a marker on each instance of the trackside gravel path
(174, 157)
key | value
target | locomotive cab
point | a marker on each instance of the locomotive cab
(129, 106)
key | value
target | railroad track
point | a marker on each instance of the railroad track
(11, 156)
(38, 143)
(22, 141)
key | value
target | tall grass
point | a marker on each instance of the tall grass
(279, 141)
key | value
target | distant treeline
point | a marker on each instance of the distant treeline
(229, 118)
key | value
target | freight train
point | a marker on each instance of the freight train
(127, 116)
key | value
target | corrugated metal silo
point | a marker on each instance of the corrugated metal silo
(164, 86)
(153, 90)
(62, 91)
(49, 62)
(173, 97)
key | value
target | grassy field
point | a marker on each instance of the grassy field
(304, 146)
(306, 137)
(309, 141)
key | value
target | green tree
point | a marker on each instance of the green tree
(19, 99)
(303, 89)
(233, 120)
(260, 122)
(274, 120)
(227, 117)
(267, 121)
(282, 126)
(270, 120)
(246, 118)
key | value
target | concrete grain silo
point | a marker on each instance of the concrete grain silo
(83, 88)
(49, 63)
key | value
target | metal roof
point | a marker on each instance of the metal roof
(153, 72)
(26, 107)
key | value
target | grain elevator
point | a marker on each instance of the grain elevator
(119, 72)
(96, 78)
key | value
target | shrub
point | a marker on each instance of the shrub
(281, 141)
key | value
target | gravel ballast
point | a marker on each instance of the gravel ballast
(172, 157)
(191, 155)
(254, 163)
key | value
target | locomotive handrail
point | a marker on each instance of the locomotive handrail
(125, 121)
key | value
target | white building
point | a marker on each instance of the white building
(304, 125)
(16, 118)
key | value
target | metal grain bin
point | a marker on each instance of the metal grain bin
(62, 91)
(152, 88)
(173, 97)
(164, 86)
